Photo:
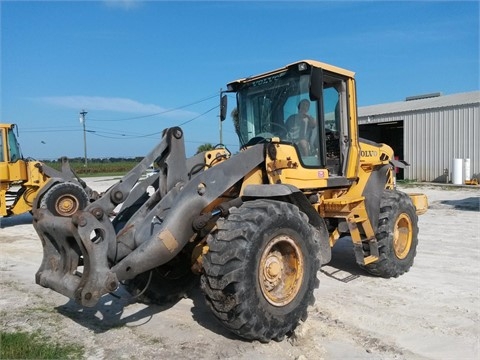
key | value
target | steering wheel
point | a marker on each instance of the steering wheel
(279, 129)
(266, 133)
(260, 139)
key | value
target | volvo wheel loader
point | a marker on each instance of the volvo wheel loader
(21, 180)
(255, 226)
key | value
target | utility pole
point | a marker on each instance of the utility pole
(220, 119)
(82, 120)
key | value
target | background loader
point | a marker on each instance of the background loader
(255, 226)
(21, 179)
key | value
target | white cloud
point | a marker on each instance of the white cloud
(123, 4)
(102, 104)
(122, 105)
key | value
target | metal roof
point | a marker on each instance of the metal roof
(421, 104)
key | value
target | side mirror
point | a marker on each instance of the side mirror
(223, 107)
(316, 84)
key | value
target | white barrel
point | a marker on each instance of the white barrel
(457, 176)
(466, 169)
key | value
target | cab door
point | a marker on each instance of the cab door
(3, 153)
(17, 167)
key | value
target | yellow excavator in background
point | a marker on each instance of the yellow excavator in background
(21, 179)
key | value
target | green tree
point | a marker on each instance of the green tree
(205, 147)
(236, 120)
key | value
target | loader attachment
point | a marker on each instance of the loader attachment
(86, 256)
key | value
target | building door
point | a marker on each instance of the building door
(390, 133)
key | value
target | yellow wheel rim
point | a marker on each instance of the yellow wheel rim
(402, 236)
(66, 205)
(281, 270)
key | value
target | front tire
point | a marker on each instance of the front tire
(397, 235)
(164, 285)
(261, 269)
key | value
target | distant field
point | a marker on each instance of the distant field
(97, 167)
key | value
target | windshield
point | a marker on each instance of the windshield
(280, 106)
(276, 106)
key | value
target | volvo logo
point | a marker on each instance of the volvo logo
(368, 153)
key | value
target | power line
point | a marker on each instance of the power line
(195, 118)
(49, 129)
(156, 138)
(123, 136)
(112, 132)
(159, 113)
(118, 135)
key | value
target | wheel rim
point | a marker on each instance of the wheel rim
(66, 205)
(402, 236)
(281, 270)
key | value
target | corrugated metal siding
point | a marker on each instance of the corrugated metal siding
(434, 137)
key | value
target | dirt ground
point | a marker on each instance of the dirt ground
(432, 312)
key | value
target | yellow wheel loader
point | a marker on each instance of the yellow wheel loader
(255, 226)
(21, 180)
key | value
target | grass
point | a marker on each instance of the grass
(406, 182)
(97, 168)
(413, 183)
(22, 345)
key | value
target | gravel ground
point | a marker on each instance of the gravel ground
(432, 312)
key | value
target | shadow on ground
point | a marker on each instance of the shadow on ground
(343, 266)
(202, 314)
(110, 312)
(467, 204)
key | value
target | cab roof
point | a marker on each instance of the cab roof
(318, 64)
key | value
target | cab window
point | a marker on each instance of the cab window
(14, 147)
(1, 145)
(301, 123)
(281, 106)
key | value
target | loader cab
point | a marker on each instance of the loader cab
(9, 146)
(12, 165)
(305, 105)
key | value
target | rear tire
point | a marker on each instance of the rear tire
(261, 269)
(164, 285)
(397, 235)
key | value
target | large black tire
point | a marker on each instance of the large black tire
(261, 269)
(64, 199)
(165, 285)
(397, 235)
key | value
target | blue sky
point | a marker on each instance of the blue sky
(138, 67)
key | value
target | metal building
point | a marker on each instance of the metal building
(429, 132)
